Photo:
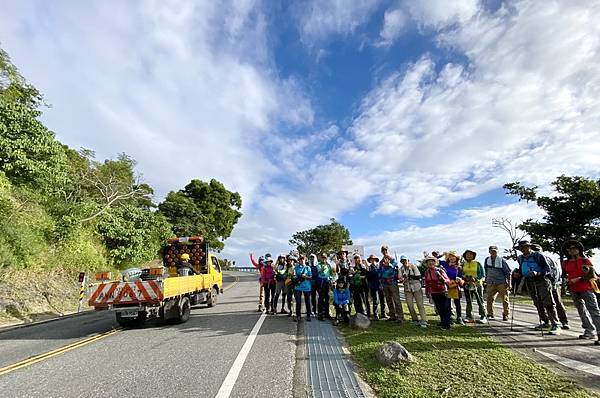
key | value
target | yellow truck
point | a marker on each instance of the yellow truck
(160, 292)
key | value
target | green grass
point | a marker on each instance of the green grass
(461, 362)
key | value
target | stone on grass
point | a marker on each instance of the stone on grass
(393, 352)
(360, 321)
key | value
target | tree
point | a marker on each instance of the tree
(572, 212)
(14, 88)
(201, 208)
(110, 184)
(512, 229)
(327, 238)
(29, 153)
(132, 235)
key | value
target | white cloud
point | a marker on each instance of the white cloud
(321, 19)
(187, 89)
(394, 22)
(438, 14)
(471, 229)
(436, 134)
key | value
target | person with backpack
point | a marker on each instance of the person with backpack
(535, 271)
(555, 278)
(359, 287)
(312, 262)
(473, 275)
(389, 281)
(341, 302)
(302, 287)
(454, 272)
(289, 282)
(269, 282)
(325, 275)
(375, 287)
(258, 265)
(411, 279)
(497, 279)
(436, 288)
(281, 274)
(583, 284)
(342, 265)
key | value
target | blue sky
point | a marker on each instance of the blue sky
(402, 119)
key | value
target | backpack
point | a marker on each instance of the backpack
(267, 274)
(555, 272)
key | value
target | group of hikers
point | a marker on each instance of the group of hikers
(371, 286)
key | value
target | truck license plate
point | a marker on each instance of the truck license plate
(129, 314)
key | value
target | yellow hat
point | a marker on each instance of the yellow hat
(185, 257)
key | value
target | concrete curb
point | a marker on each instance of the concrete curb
(9, 328)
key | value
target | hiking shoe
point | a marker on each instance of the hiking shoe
(424, 326)
(587, 336)
(505, 318)
(482, 320)
(461, 321)
(566, 326)
(542, 326)
(554, 330)
(415, 322)
(491, 317)
(283, 311)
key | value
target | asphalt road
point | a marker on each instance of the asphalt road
(187, 360)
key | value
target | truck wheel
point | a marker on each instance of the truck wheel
(132, 322)
(184, 310)
(212, 300)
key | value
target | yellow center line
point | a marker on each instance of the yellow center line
(237, 279)
(72, 346)
(58, 351)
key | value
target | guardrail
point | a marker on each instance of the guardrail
(244, 269)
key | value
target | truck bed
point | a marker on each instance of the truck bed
(147, 292)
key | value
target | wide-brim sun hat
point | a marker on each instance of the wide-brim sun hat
(450, 253)
(373, 257)
(469, 251)
(428, 258)
(572, 242)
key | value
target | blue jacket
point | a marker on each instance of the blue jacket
(303, 284)
(341, 297)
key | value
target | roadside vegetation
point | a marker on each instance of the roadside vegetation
(63, 211)
(461, 362)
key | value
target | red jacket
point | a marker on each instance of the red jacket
(574, 269)
(436, 281)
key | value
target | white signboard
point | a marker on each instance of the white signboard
(354, 249)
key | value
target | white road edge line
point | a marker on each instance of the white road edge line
(572, 364)
(234, 372)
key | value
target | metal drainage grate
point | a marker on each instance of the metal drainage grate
(328, 371)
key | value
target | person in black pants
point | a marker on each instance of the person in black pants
(324, 277)
(302, 277)
(314, 286)
(375, 287)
